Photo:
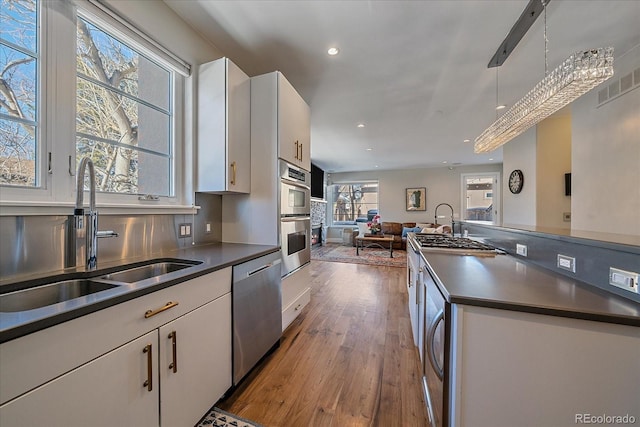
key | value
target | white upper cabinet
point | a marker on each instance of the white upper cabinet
(294, 125)
(223, 155)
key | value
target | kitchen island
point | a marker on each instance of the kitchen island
(505, 342)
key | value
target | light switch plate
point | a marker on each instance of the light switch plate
(567, 263)
(521, 249)
(627, 280)
(184, 230)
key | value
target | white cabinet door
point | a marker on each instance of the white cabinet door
(195, 362)
(421, 294)
(108, 391)
(294, 126)
(413, 263)
(224, 128)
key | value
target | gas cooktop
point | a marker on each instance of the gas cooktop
(450, 244)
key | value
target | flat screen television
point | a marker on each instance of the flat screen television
(317, 182)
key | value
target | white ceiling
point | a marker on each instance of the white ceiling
(414, 72)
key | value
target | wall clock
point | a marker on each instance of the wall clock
(516, 181)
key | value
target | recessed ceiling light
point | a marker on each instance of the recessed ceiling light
(490, 159)
(333, 51)
(360, 125)
(369, 149)
(501, 107)
(467, 140)
(376, 165)
(444, 161)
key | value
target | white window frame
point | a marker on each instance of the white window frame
(56, 122)
(331, 198)
(496, 196)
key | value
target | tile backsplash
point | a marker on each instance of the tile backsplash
(318, 212)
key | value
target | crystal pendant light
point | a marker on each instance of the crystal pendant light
(576, 76)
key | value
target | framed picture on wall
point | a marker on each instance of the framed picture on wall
(417, 199)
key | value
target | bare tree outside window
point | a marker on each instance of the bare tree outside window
(354, 200)
(18, 97)
(123, 118)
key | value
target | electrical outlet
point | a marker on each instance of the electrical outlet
(627, 280)
(208, 228)
(521, 249)
(567, 263)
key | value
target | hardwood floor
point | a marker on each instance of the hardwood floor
(347, 360)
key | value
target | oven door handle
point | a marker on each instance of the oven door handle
(295, 218)
(297, 184)
(430, 340)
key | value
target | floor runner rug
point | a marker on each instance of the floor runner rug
(336, 252)
(219, 418)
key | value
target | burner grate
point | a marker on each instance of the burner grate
(449, 242)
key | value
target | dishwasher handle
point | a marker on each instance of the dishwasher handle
(264, 267)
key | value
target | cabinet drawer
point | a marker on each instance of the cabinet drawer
(34, 359)
(295, 284)
(293, 310)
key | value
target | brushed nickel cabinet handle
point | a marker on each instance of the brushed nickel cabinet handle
(149, 382)
(300, 152)
(297, 307)
(297, 150)
(167, 306)
(173, 336)
(233, 173)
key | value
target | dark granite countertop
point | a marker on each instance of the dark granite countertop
(211, 257)
(505, 282)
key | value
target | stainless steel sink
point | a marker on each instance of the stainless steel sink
(60, 291)
(146, 272)
(42, 296)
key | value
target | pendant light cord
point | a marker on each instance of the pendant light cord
(497, 92)
(546, 40)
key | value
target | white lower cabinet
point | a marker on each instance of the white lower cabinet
(167, 369)
(105, 392)
(201, 360)
(296, 294)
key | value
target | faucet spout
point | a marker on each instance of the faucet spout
(91, 229)
(452, 221)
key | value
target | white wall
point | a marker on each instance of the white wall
(520, 153)
(606, 158)
(553, 161)
(443, 186)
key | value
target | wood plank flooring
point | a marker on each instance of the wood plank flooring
(347, 360)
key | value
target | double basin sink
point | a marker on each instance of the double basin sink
(60, 291)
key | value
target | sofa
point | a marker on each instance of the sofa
(395, 229)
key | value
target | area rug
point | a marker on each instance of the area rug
(336, 252)
(219, 418)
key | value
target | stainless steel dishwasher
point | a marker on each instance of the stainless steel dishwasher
(257, 311)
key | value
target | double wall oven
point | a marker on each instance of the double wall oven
(295, 217)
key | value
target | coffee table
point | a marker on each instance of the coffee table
(374, 240)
